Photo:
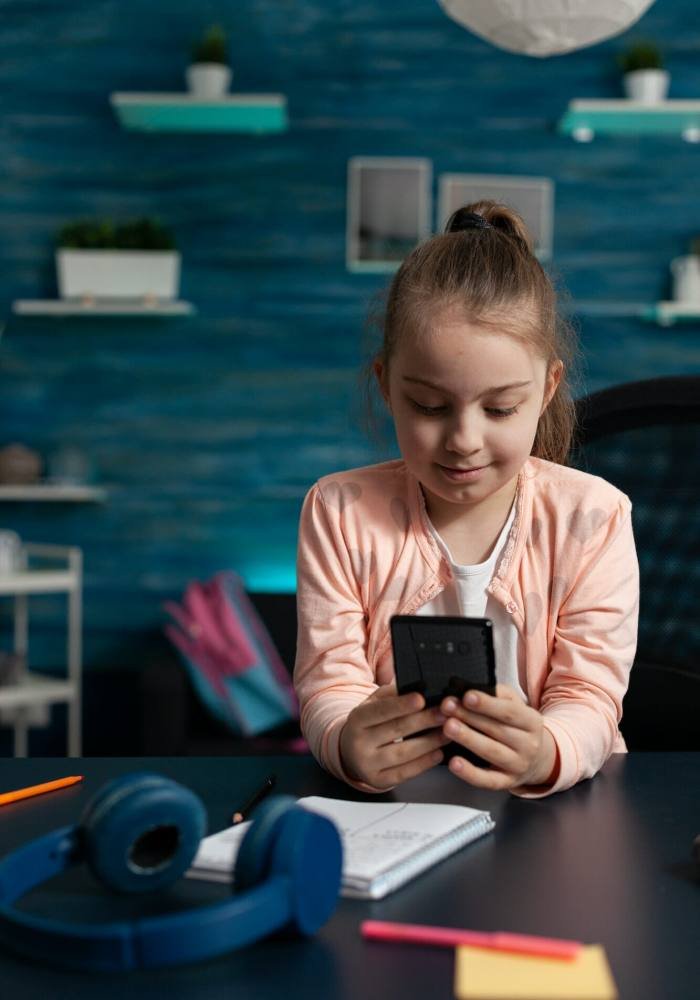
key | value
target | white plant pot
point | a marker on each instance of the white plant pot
(210, 81)
(686, 278)
(649, 86)
(118, 274)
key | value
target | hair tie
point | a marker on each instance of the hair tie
(469, 220)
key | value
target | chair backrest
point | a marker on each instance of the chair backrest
(644, 437)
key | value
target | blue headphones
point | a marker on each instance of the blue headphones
(140, 833)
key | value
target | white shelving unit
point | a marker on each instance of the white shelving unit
(53, 493)
(61, 572)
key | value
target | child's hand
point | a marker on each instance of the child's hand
(372, 744)
(506, 733)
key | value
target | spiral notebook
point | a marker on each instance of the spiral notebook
(385, 844)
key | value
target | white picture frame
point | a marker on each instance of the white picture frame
(389, 210)
(531, 197)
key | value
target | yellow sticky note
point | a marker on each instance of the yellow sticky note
(485, 974)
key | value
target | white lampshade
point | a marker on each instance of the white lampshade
(545, 27)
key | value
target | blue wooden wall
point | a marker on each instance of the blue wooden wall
(208, 431)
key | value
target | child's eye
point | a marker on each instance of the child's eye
(429, 411)
(495, 412)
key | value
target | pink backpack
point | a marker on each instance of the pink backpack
(230, 657)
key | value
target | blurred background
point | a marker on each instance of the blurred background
(185, 429)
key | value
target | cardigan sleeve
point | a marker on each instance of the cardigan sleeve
(331, 673)
(594, 648)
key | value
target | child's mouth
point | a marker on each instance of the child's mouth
(463, 475)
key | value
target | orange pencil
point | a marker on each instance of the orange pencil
(48, 786)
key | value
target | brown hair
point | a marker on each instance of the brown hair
(484, 264)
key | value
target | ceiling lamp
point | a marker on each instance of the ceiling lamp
(545, 27)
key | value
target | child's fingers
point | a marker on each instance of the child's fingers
(398, 751)
(502, 756)
(515, 738)
(398, 773)
(382, 707)
(509, 710)
(395, 729)
(380, 765)
(480, 777)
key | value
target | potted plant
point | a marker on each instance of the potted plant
(644, 77)
(686, 275)
(209, 73)
(100, 259)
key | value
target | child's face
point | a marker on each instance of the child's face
(464, 398)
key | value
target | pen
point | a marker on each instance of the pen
(47, 786)
(266, 787)
(450, 937)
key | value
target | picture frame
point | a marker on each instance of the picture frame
(531, 197)
(389, 210)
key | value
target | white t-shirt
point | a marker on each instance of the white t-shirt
(466, 596)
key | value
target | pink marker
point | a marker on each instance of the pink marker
(450, 937)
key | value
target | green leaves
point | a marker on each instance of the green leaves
(103, 234)
(641, 55)
(212, 47)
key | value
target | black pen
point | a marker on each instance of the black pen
(266, 787)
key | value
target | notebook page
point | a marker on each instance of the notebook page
(217, 852)
(382, 835)
(384, 843)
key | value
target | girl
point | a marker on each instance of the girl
(480, 517)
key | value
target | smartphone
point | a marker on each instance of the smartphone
(441, 655)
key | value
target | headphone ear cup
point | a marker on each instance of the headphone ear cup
(255, 852)
(309, 853)
(141, 832)
(304, 848)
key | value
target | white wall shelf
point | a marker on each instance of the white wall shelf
(45, 569)
(53, 493)
(181, 112)
(101, 307)
(584, 119)
(35, 689)
(668, 313)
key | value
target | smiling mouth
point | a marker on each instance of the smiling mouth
(471, 468)
(472, 474)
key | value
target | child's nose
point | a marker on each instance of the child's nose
(465, 436)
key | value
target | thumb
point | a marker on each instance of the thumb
(506, 692)
(385, 691)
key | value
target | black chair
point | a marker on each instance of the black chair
(644, 437)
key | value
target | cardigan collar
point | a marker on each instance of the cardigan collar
(517, 536)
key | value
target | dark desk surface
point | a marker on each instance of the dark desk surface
(608, 861)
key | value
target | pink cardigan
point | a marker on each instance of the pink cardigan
(568, 575)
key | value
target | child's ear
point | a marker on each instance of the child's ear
(556, 369)
(382, 381)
